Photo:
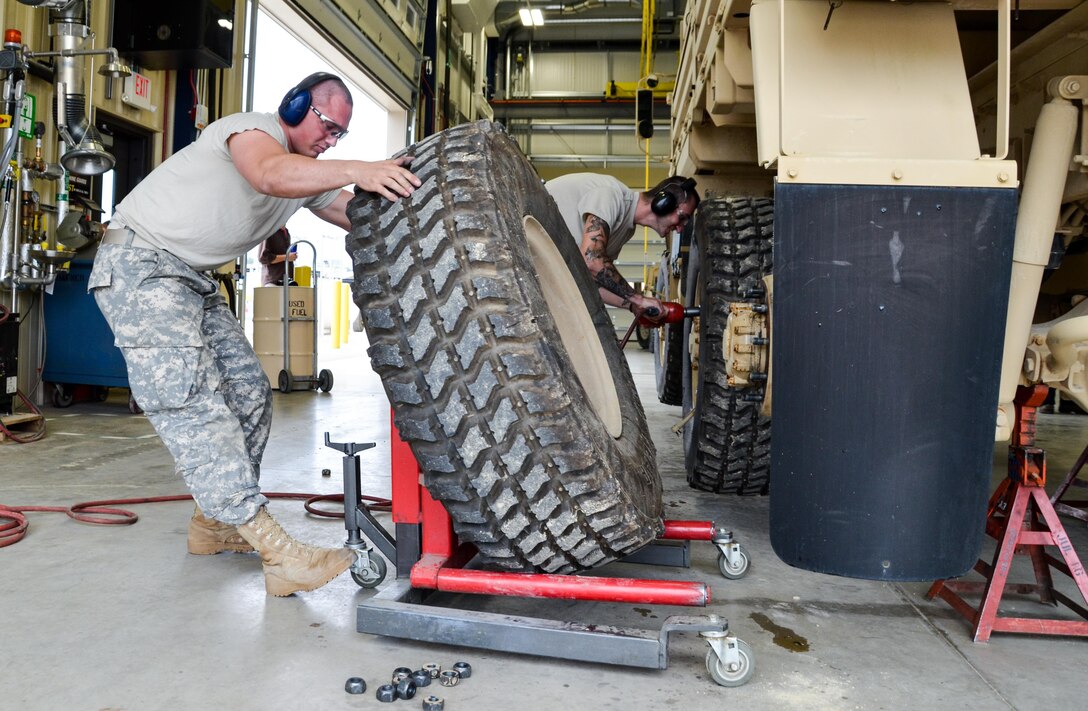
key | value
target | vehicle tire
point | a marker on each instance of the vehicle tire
(727, 442)
(476, 301)
(668, 348)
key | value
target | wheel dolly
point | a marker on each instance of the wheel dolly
(428, 558)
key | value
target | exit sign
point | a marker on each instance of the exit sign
(137, 92)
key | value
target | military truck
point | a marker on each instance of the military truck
(892, 245)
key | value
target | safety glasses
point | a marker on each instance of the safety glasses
(335, 130)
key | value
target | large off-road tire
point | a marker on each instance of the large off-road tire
(500, 361)
(668, 348)
(727, 442)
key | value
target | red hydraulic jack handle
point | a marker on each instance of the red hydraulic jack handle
(674, 313)
(1023, 521)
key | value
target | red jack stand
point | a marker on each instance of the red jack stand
(429, 559)
(1020, 499)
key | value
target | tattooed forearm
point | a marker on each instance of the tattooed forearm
(610, 279)
(594, 242)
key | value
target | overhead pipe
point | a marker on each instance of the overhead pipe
(70, 29)
(507, 23)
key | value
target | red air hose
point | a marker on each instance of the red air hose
(13, 524)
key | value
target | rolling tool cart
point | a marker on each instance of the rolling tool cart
(428, 558)
(296, 314)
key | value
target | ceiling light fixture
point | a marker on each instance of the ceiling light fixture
(531, 17)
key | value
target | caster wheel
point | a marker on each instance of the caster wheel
(285, 381)
(101, 394)
(732, 677)
(375, 573)
(324, 381)
(737, 570)
(62, 395)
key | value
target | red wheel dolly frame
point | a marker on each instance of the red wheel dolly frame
(428, 558)
(1023, 521)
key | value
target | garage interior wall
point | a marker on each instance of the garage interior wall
(431, 63)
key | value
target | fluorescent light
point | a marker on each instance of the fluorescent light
(226, 24)
(531, 18)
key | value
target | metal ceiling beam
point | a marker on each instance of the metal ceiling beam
(567, 108)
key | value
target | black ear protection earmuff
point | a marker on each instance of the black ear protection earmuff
(671, 196)
(297, 101)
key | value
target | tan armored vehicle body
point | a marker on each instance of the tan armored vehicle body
(915, 172)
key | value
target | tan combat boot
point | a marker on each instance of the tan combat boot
(208, 536)
(290, 566)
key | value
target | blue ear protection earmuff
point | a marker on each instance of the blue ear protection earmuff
(671, 196)
(297, 101)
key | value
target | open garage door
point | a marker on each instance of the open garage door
(285, 46)
(290, 43)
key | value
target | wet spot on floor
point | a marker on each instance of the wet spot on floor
(783, 636)
(644, 611)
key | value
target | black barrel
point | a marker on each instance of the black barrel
(888, 324)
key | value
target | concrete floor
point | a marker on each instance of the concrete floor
(120, 617)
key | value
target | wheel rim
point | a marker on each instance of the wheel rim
(576, 329)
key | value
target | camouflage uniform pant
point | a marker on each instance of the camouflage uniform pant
(192, 371)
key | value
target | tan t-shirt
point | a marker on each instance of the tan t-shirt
(579, 194)
(197, 206)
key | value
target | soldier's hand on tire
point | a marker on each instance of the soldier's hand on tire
(388, 178)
